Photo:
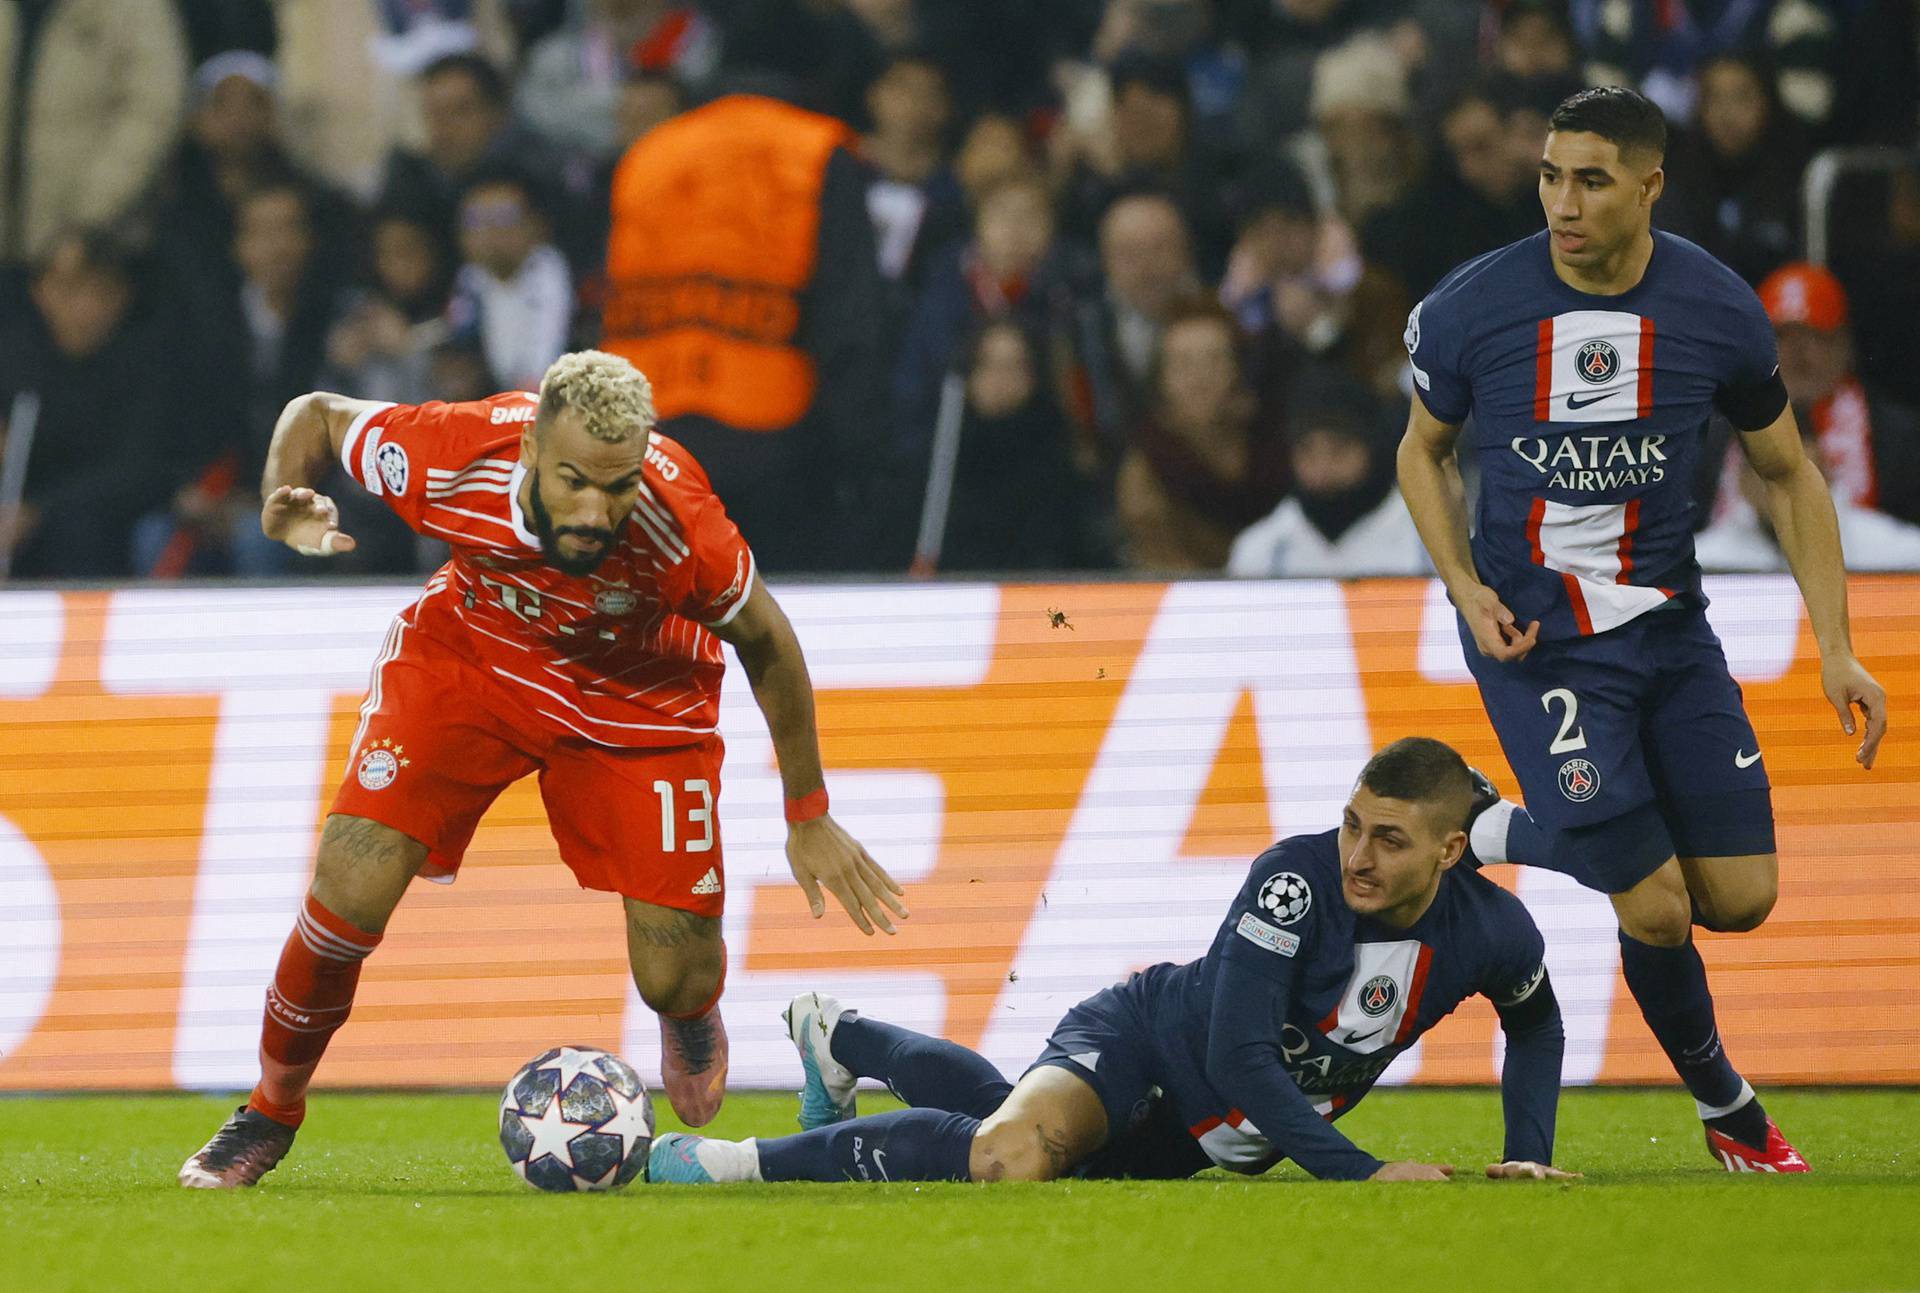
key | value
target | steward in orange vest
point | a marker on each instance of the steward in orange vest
(742, 279)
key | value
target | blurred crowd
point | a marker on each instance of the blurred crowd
(1115, 284)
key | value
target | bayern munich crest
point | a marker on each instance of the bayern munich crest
(379, 764)
(1597, 362)
(1286, 898)
(1579, 780)
(615, 601)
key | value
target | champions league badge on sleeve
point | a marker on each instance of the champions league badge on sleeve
(1286, 897)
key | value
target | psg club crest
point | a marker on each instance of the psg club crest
(380, 764)
(1597, 362)
(1286, 898)
(1377, 995)
(1579, 780)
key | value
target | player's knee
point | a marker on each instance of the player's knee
(1015, 1152)
(1657, 911)
(1738, 913)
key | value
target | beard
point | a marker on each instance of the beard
(549, 536)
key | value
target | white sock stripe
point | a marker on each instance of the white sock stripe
(331, 939)
(1740, 1102)
(324, 951)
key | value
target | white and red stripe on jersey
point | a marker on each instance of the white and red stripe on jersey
(623, 656)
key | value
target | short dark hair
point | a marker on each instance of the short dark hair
(487, 78)
(101, 251)
(1623, 117)
(1420, 769)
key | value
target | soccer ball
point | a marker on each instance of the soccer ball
(576, 1118)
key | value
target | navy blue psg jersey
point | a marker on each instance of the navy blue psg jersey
(1301, 1004)
(1589, 415)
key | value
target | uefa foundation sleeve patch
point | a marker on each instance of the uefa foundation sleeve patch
(1261, 934)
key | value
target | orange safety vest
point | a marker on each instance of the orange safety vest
(716, 224)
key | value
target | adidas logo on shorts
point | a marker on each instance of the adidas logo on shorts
(709, 883)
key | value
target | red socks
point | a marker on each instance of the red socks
(310, 997)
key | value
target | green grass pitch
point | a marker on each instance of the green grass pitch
(409, 1192)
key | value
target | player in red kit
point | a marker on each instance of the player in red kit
(575, 633)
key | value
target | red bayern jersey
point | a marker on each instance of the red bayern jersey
(622, 657)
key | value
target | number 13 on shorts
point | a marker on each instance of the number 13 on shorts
(696, 793)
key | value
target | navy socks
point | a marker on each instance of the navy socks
(1670, 983)
(925, 1072)
(906, 1145)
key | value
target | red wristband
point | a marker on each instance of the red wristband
(807, 807)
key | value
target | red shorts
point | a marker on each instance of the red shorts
(439, 740)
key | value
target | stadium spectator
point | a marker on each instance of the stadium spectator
(994, 150)
(1040, 515)
(1144, 140)
(94, 95)
(1289, 36)
(1733, 182)
(1013, 267)
(464, 101)
(232, 147)
(1480, 198)
(1535, 40)
(1882, 274)
(1657, 47)
(1146, 260)
(1344, 517)
(271, 332)
(514, 291)
(383, 346)
(742, 277)
(115, 390)
(574, 80)
(1867, 445)
(1196, 473)
(1743, 539)
(915, 200)
(1185, 33)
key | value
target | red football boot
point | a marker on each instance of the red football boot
(1735, 1156)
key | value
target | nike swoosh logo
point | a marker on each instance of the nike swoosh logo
(1745, 760)
(1575, 402)
(1353, 1038)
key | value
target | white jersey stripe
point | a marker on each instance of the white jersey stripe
(478, 516)
(604, 722)
(462, 536)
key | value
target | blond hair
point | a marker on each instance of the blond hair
(614, 399)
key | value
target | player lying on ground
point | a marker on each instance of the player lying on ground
(575, 633)
(1341, 949)
(1591, 357)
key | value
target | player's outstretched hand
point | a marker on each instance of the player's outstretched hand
(1407, 1170)
(1517, 1170)
(1495, 631)
(823, 855)
(306, 521)
(1847, 684)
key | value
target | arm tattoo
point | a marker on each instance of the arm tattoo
(1054, 1146)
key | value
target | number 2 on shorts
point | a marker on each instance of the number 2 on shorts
(1571, 738)
(701, 816)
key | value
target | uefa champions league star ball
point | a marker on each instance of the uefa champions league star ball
(576, 1118)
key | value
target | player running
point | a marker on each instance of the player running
(575, 633)
(1591, 357)
(1341, 949)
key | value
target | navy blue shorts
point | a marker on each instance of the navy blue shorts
(1632, 745)
(1105, 1042)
